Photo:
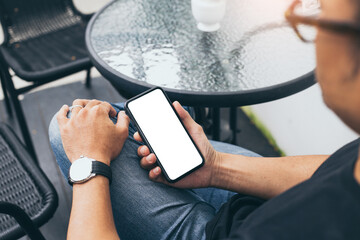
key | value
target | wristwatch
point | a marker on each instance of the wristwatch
(84, 168)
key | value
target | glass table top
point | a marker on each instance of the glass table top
(157, 42)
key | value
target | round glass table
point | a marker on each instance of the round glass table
(255, 57)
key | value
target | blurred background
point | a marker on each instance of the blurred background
(291, 121)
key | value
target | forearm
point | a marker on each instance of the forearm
(263, 177)
(91, 214)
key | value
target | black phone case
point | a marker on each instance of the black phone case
(128, 112)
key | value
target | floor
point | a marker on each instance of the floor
(40, 106)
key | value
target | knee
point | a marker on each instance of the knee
(57, 147)
(54, 132)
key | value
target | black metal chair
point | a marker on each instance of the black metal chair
(26, 194)
(44, 41)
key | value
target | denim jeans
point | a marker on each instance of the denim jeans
(147, 210)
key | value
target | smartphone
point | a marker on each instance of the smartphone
(163, 132)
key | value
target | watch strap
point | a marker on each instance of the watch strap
(100, 168)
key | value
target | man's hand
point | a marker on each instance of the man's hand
(90, 132)
(199, 178)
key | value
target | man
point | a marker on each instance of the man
(302, 197)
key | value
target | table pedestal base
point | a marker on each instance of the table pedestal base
(216, 125)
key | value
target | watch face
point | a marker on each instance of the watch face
(81, 170)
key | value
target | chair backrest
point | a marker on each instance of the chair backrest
(23, 184)
(25, 19)
(15, 187)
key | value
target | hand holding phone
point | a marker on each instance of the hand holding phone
(197, 179)
(163, 131)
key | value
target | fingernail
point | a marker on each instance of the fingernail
(122, 112)
(157, 170)
(143, 150)
(149, 159)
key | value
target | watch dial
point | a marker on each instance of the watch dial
(80, 169)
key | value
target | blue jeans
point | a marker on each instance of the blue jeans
(147, 210)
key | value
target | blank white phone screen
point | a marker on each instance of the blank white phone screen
(165, 133)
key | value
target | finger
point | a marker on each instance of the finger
(81, 102)
(112, 112)
(108, 109)
(75, 109)
(148, 162)
(92, 103)
(183, 114)
(137, 137)
(123, 121)
(143, 151)
(156, 176)
(78, 102)
(62, 115)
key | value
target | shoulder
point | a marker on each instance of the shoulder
(347, 154)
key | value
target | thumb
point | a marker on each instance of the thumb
(184, 115)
